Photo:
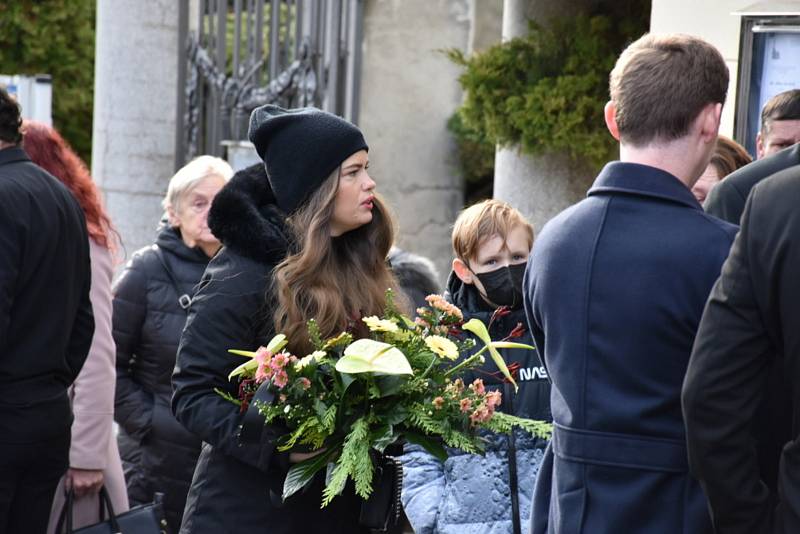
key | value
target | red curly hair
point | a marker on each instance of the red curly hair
(50, 151)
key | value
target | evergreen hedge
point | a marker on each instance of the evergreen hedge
(55, 37)
(546, 91)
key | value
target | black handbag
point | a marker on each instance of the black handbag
(143, 519)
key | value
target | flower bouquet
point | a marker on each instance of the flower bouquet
(351, 399)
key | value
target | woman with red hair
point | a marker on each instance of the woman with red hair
(94, 460)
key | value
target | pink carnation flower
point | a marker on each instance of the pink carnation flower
(466, 404)
(422, 322)
(480, 415)
(304, 382)
(438, 402)
(455, 388)
(263, 373)
(493, 399)
(280, 379)
(477, 387)
(262, 355)
(279, 361)
(438, 302)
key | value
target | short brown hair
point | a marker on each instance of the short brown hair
(729, 156)
(784, 106)
(661, 83)
(10, 118)
(482, 221)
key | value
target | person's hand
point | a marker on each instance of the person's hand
(297, 457)
(83, 481)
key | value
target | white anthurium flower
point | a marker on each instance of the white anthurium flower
(370, 356)
(277, 343)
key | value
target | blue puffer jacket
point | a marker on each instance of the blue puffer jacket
(490, 494)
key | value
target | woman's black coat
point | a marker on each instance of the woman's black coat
(158, 454)
(235, 484)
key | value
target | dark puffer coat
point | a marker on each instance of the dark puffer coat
(235, 485)
(158, 454)
(470, 494)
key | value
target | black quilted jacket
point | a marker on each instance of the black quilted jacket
(158, 454)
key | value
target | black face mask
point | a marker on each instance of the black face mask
(503, 286)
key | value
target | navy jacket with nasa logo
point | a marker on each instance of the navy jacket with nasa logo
(489, 494)
(614, 291)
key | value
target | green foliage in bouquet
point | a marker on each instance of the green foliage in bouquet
(351, 399)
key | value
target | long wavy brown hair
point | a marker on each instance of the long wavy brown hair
(334, 280)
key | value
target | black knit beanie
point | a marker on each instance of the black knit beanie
(300, 148)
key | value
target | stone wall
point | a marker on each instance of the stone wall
(409, 89)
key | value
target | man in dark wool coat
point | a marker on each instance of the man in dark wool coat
(614, 290)
(780, 127)
(46, 327)
(749, 326)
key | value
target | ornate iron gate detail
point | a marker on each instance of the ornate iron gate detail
(240, 54)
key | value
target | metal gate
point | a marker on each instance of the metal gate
(241, 54)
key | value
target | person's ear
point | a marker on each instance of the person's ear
(172, 217)
(462, 271)
(709, 124)
(610, 114)
(759, 146)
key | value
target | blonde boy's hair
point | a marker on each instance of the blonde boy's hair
(481, 222)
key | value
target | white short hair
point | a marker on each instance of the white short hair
(192, 174)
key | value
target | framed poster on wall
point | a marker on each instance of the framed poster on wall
(769, 63)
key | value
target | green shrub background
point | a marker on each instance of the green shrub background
(544, 92)
(55, 37)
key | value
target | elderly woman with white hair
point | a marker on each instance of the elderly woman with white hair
(151, 299)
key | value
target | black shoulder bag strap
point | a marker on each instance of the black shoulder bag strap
(184, 300)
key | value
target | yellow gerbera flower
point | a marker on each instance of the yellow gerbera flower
(342, 339)
(442, 346)
(380, 325)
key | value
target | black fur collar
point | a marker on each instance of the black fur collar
(246, 220)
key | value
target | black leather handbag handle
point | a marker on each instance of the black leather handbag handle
(66, 514)
(112, 517)
(65, 517)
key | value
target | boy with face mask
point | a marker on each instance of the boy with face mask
(469, 494)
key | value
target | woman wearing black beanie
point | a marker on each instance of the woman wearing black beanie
(306, 239)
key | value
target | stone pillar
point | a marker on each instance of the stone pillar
(539, 186)
(133, 150)
(486, 24)
(409, 89)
